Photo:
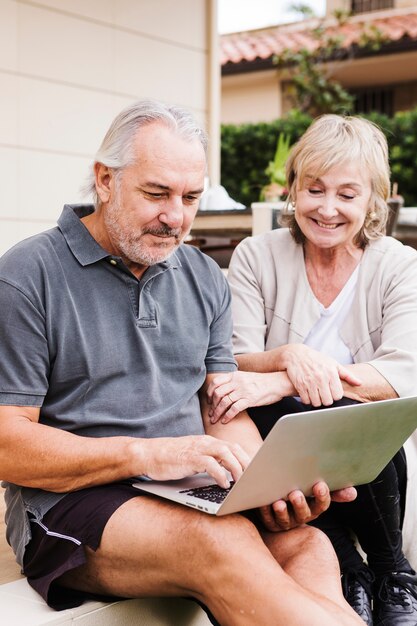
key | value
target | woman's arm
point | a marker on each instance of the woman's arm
(314, 377)
(373, 385)
(229, 394)
(359, 381)
(267, 361)
(243, 430)
(393, 337)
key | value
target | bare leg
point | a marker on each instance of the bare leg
(155, 548)
(302, 555)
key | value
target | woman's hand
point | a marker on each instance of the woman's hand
(313, 376)
(316, 377)
(229, 394)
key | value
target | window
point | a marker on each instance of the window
(380, 100)
(363, 6)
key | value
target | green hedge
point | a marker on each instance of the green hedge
(247, 149)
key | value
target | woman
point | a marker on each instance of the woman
(325, 313)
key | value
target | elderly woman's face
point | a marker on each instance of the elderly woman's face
(331, 210)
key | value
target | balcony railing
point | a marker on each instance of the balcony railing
(363, 6)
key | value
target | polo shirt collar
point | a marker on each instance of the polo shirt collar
(83, 245)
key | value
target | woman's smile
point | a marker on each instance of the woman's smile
(326, 226)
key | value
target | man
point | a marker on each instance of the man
(109, 330)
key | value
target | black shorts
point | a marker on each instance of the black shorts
(58, 542)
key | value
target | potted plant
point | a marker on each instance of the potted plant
(275, 190)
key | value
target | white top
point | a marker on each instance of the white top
(325, 334)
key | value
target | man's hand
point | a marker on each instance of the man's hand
(298, 510)
(171, 458)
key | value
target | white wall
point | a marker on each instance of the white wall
(251, 97)
(66, 68)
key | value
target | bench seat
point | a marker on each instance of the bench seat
(21, 605)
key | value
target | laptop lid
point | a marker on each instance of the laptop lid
(344, 446)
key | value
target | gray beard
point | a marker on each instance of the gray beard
(133, 248)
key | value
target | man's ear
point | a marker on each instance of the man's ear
(104, 178)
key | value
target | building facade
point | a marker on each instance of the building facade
(254, 89)
(67, 67)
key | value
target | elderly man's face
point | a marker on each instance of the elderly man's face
(153, 202)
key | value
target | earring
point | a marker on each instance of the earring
(372, 215)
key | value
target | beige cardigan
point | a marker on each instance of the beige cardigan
(273, 303)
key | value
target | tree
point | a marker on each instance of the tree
(311, 87)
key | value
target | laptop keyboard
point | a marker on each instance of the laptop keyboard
(212, 493)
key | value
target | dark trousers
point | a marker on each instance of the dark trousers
(375, 517)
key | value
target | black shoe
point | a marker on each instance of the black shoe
(357, 589)
(395, 602)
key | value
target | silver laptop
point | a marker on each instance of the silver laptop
(343, 446)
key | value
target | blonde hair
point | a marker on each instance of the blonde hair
(330, 141)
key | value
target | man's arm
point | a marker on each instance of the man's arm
(35, 455)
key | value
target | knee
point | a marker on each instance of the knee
(226, 537)
(310, 542)
(315, 540)
(319, 547)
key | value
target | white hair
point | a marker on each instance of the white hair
(116, 150)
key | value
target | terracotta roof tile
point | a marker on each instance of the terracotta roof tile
(265, 43)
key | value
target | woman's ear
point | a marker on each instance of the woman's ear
(104, 178)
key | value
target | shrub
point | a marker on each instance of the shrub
(247, 149)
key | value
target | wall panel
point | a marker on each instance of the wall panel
(66, 68)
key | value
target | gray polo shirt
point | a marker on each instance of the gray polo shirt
(101, 352)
